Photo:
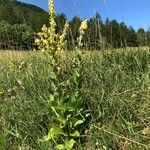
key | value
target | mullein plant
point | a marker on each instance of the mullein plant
(66, 99)
(48, 40)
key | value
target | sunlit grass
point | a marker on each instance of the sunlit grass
(117, 90)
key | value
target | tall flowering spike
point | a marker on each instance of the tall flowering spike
(82, 29)
(52, 23)
(62, 42)
(51, 11)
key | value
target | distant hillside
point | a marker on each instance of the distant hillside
(15, 12)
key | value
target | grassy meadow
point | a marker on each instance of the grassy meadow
(116, 90)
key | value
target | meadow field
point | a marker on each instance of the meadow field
(116, 85)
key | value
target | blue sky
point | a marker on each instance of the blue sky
(132, 12)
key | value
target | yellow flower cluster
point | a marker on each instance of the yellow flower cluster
(48, 40)
(83, 26)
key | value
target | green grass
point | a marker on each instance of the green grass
(117, 91)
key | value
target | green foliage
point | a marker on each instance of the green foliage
(74, 26)
(132, 37)
(67, 108)
(15, 12)
(16, 37)
(95, 33)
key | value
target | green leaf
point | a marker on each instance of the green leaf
(63, 106)
(78, 122)
(69, 144)
(75, 134)
(60, 146)
(54, 132)
(45, 138)
(66, 106)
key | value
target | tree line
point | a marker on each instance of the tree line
(109, 34)
(19, 23)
